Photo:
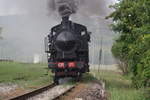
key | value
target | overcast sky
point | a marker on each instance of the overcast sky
(26, 22)
(19, 7)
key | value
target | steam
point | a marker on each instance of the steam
(65, 7)
(85, 8)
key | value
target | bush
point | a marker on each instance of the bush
(140, 61)
(120, 50)
(132, 48)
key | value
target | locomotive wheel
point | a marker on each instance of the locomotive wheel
(88, 70)
(56, 80)
(78, 77)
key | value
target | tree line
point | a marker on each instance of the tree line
(131, 20)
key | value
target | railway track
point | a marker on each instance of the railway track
(31, 95)
(59, 96)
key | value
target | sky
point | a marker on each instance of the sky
(25, 23)
(21, 7)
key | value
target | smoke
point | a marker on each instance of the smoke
(65, 7)
(82, 7)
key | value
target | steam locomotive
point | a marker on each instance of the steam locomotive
(67, 48)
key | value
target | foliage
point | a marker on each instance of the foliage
(132, 23)
(119, 87)
(119, 50)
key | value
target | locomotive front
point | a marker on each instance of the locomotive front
(66, 41)
(68, 50)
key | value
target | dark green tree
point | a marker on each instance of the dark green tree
(132, 23)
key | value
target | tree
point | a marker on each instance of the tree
(132, 22)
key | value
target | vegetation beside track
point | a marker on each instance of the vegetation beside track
(24, 75)
(132, 46)
(119, 87)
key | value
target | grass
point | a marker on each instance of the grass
(26, 75)
(33, 75)
(118, 86)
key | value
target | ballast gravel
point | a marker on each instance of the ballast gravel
(95, 91)
(52, 93)
(7, 88)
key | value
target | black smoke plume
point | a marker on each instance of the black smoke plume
(65, 7)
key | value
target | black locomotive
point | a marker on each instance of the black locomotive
(67, 49)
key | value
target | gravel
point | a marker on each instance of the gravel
(95, 91)
(52, 93)
(7, 88)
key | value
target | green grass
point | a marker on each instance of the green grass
(26, 75)
(118, 86)
(33, 75)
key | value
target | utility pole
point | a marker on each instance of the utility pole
(0, 39)
(100, 53)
